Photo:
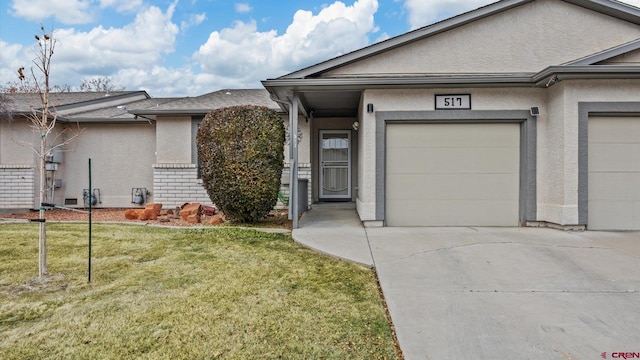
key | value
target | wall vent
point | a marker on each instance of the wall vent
(71, 201)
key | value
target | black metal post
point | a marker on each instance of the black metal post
(90, 208)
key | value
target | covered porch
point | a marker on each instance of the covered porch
(325, 151)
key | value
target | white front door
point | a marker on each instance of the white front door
(335, 164)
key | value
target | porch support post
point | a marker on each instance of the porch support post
(293, 165)
(290, 204)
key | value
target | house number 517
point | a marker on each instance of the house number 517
(453, 102)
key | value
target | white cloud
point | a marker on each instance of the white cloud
(243, 7)
(160, 81)
(11, 58)
(194, 20)
(137, 44)
(241, 55)
(64, 11)
(104, 51)
(123, 6)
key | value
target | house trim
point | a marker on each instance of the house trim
(607, 54)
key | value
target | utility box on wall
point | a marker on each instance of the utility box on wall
(54, 156)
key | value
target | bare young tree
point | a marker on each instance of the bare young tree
(104, 84)
(43, 121)
(24, 86)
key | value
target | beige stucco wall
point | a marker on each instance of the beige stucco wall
(12, 133)
(172, 135)
(122, 156)
(424, 100)
(558, 143)
(528, 38)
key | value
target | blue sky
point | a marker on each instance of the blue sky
(191, 47)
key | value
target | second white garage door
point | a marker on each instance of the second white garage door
(452, 174)
(614, 173)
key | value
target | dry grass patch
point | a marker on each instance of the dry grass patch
(184, 293)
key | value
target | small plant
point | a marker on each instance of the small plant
(283, 198)
(241, 152)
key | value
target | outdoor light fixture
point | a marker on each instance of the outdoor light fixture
(553, 80)
(535, 111)
(369, 108)
(355, 125)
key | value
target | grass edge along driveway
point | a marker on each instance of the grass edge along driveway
(159, 293)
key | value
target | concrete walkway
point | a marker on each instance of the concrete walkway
(335, 229)
(495, 293)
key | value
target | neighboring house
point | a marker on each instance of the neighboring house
(522, 112)
(142, 149)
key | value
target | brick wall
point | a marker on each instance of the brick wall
(176, 184)
(17, 186)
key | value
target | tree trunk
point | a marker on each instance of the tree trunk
(42, 242)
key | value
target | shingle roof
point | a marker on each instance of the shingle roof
(23, 103)
(125, 106)
(205, 103)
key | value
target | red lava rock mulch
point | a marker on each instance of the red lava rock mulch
(275, 219)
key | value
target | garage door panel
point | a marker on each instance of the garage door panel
(613, 215)
(454, 186)
(452, 174)
(452, 213)
(449, 135)
(614, 173)
(614, 130)
(627, 157)
(452, 160)
(614, 186)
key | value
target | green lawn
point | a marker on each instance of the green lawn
(160, 293)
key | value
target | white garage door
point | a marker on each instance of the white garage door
(452, 174)
(614, 173)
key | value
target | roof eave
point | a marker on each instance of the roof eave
(612, 8)
(525, 80)
(361, 83)
(606, 54)
(107, 120)
(185, 112)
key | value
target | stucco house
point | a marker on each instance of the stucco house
(519, 113)
(522, 112)
(142, 149)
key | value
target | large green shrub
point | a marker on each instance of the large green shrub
(241, 153)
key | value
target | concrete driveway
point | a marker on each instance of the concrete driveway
(510, 293)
